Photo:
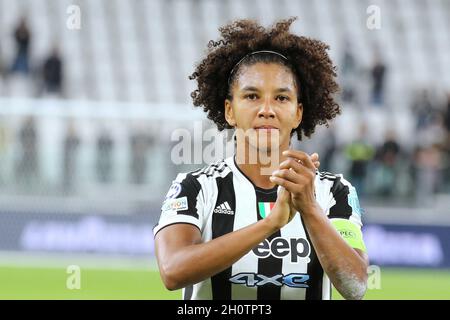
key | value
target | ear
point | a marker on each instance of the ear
(229, 114)
(298, 115)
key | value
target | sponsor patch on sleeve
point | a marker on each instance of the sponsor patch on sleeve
(174, 191)
(175, 204)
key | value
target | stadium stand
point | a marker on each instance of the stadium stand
(129, 51)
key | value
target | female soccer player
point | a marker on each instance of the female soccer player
(232, 231)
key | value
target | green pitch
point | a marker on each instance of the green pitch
(50, 283)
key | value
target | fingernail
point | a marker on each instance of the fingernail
(271, 178)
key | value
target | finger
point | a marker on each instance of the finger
(290, 175)
(302, 156)
(284, 200)
(283, 195)
(291, 163)
(287, 185)
(315, 159)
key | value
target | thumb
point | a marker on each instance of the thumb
(284, 199)
(283, 195)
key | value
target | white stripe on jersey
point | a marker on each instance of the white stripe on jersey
(326, 287)
(323, 193)
(247, 207)
(289, 230)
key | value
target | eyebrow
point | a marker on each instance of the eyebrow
(286, 89)
(250, 88)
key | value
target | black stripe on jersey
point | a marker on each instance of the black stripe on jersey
(188, 292)
(269, 266)
(222, 165)
(315, 272)
(341, 209)
(326, 175)
(218, 167)
(221, 225)
(190, 188)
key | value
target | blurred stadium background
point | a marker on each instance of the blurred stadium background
(86, 117)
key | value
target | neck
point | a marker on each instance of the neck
(258, 165)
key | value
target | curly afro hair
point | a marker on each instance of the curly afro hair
(307, 58)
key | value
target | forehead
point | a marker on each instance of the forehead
(265, 75)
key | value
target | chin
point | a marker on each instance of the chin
(266, 148)
(266, 145)
(271, 146)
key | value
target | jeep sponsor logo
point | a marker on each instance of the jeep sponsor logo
(298, 248)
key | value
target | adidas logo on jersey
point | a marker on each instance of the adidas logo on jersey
(224, 208)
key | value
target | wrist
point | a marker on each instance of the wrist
(270, 225)
(312, 209)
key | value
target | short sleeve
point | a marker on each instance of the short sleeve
(183, 203)
(344, 201)
(345, 212)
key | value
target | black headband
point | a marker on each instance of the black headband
(251, 54)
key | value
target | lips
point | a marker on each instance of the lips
(266, 127)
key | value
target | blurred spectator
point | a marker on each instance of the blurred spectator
(428, 165)
(105, 148)
(70, 152)
(447, 114)
(378, 73)
(423, 109)
(387, 156)
(27, 165)
(360, 152)
(2, 69)
(52, 73)
(4, 146)
(349, 70)
(22, 37)
(447, 142)
(447, 145)
(434, 133)
(3, 73)
(140, 143)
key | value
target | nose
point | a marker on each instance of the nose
(266, 110)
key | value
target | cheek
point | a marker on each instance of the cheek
(244, 115)
(239, 120)
(291, 116)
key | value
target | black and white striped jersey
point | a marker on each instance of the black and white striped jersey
(219, 199)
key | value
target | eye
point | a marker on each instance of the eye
(282, 98)
(251, 96)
